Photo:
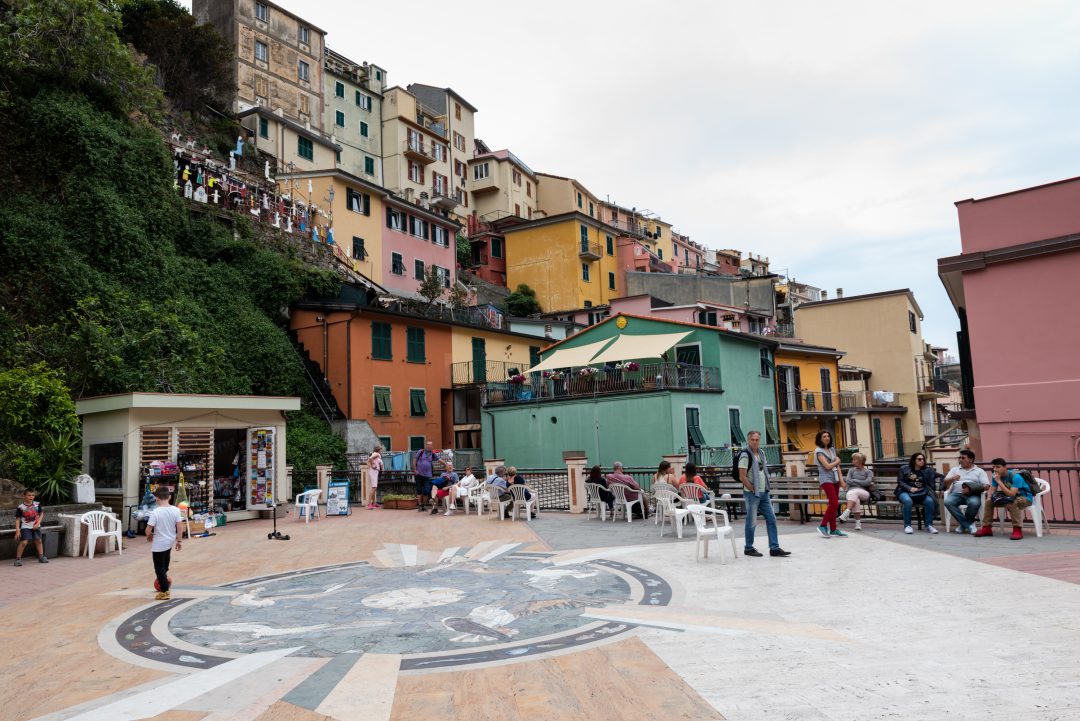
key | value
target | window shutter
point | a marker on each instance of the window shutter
(195, 440)
(389, 217)
(155, 444)
(367, 204)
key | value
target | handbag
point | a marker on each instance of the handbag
(875, 497)
(972, 488)
(1001, 498)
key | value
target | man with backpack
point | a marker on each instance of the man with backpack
(752, 470)
(1012, 490)
(423, 471)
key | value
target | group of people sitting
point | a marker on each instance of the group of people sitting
(450, 485)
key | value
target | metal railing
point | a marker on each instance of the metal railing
(796, 401)
(722, 456)
(574, 384)
(630, 227)
(551, 485)
(417, 148)
(877, 399)
(469, 372)
(589, 249)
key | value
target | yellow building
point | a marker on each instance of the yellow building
(808, 395)
(882, 332)
(568, 259)
(356, 214)
(482, 356)
(501, 185)
(559, 195)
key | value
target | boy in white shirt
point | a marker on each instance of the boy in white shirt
(164, 529)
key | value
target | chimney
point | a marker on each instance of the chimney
(839, 292)
(824, 295)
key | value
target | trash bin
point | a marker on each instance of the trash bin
(84, 489)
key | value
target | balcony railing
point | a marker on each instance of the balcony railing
(588, 250)
(928, 384)
(572, 384)
(629, 227)
(443, 198)
(415, 149)
(794, 401)
(877, 399)
(472, 372)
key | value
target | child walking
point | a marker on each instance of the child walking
(28, 527)
(164, 529)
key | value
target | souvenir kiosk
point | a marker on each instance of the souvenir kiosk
(224, 456)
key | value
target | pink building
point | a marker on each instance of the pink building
(414, 241)
(1014, 289)
(686, 254)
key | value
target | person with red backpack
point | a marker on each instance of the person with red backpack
(1009, 490)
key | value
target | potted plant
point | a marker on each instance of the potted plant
(518, 379)
(588, 372)
(398, 501)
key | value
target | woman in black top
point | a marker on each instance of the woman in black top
(595, 476)
(917, 483)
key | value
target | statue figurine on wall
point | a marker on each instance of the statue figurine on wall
(200, 194)
(239, 146)
(266, 170)
(232, 160)
(188, 189)
(216, 196)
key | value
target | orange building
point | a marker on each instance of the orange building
(389, 369)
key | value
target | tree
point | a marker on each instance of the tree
(522, 302)
(464, 251)
(431, 288)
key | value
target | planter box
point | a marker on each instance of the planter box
(403, 504)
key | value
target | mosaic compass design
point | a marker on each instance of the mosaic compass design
(456, 608)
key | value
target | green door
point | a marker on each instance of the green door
(479, 360)
(900, 437)
(879, 447)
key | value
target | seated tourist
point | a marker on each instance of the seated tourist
(665, 474)
(442, 486)
(964, 488)
(597, 476)
(860, 481)
(1015, 495)
(633, 491)
(690, 476)
(915, 484)
(467, 482)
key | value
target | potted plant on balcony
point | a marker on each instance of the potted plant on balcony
(517, 379)
(399, 501)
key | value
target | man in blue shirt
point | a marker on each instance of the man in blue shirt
(423, 463)
(1012, 484)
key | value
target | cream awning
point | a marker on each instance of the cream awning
(570, 357)
(629, 347)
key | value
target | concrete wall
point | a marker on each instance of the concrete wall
(687, 289)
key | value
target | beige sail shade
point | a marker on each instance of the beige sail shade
(570, 357)
(630, 347)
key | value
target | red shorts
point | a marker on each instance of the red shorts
(442, 493)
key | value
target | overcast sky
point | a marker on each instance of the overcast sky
(832, 137)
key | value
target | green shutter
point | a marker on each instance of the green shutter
(534, 355)
(770, 427)
(417, 402)
(899, 437)
(735, 419)
(382, 401)
(879, 445)
(479, 360)
(369, 166)
(381, 347)
(415, 349)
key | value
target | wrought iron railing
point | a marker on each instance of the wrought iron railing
(575, 384)
(795, 401)
(551, 486)
(722, 456)
(469, 372)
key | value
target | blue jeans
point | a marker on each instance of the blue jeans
(970, 504)
(760, 502)
(929, 506)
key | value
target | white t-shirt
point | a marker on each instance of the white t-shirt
(164, 520)
(465, 484)
(960, 475)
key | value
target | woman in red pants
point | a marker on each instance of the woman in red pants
(831, 480)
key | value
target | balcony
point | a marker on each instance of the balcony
(415, 149)
(878, 400)
(571, 384)
(930, 387)
(483, 185)
(815, 403)
(588, 250)
(629, 228)
(474, 372)
(441, 198)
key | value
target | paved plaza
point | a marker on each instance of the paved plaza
(404, 616)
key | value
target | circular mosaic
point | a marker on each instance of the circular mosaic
(451, 613)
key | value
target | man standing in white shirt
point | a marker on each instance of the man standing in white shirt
(964, 487)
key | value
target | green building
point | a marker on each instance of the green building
(634, 389)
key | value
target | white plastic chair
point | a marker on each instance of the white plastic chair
(667, 507)
(100, 524)
(1038, 515)
(656, 488)
(494, 504)
(701, 515)
(691, 493)
(477, 496)
(518, 491)
(309, 501)
(593, 502)
(622, 503)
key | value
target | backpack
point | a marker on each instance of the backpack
(1029, 479)
(735, 464)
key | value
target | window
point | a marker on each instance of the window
(911, 322)
(706, 317)
(397, 264)
(261, 13)
(262, 86)
(305, 38)
(899, 423)
(264, 128)
(610, 245)
(584, 271)
(611, 280)
(517, 209)
(440, 236)
(339, 119)
(440, 151)
(587, 304)
(528, 188)
(369, 165)
(534, 355)
(459, 140)
(766, 363)
(584, 232)
(659, 232)
(363, 101)
(339, 90)
(384, 441)
(579, 200)
(416, 442)
(686, 255)
(363, 129)
(382, 401)
(416, 172)
(694, 437)
(853, 432)
(418, 269)
(457, 111)
(459, 169)
(381, 345)
(358, 250)
(438, 183)
(358, 202)
(879, 444)
(305, 149)
(826, 390)
(496, 248)
(660, 253)
(262, 53)
(418, 227)
(735, 420)
(590, 208)
(443, 273)
(395, 219)
(414, 345)
(770, 427)
(106, 465)
(417, 402)
(378, 75)
(303, 70)
(517, 177)
(480, 171)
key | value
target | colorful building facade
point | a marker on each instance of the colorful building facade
(352, 114)
(809, 397)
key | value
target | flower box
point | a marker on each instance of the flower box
(401, 504)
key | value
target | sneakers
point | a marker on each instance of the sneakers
(434, 510)
(1017, 534)
(909, 529)
(449, 513)
(162, 596)
(42, 559)
(421, 508)
(858, 525)
(752, 552)
(959, 529)
(18, 561)
(824, 531)
(838, 533)
(843, 517)
(983, 532)
(973, 530)
(779, 552)
(371, 506)
(931, 529)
